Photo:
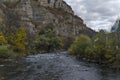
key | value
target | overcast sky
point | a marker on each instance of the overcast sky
(97, 14)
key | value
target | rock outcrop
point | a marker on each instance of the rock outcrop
(37, 14)
(116, 26)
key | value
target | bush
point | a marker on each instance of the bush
(20, 41)
(80, 46)
(67, 41)
(48, 44)
(103, 49)
(47, 40)
(5, 52)
(2, 39)
(17, 41)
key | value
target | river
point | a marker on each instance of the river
(54, 66)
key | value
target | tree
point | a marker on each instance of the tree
(5, 51)
(2, 39)
(20, 40)
(79, 46)
(47, 40)
(103, 48)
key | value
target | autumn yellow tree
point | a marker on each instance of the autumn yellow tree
(20, 40)
(5, 51)
(2, 39)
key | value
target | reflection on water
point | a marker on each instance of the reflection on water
(53, 66)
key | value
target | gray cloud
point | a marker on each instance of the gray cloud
(97, 14)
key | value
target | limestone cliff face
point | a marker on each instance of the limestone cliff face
(37, 14)
(116, 26)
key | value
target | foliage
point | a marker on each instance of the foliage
(80, 45)
(47, 40)
(2, 39)
(13, 43)
(67, 41)
(103, 49)
(20, 40)
(6, 52)
(48, 44)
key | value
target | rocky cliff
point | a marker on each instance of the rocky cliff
(37, 14)
(116, 26)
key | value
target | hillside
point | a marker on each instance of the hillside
(37, 14)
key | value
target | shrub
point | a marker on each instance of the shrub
(47, 40)
(67, 41)
(18, 40)
(2, 39)
(47, 44)
(103, 47)
(89, 53)
(5, 52)
(80, 45)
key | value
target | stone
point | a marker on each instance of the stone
(37, 14)
(116, 26)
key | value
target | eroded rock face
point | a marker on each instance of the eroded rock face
(55, 4)
(51, 3)
(10, 3)
(116, 26)
(37, 14)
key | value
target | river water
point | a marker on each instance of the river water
(54, 66)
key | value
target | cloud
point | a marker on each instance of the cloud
(97, 14)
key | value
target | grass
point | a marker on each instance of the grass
(5, 52)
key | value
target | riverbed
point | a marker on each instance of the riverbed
(54, 66)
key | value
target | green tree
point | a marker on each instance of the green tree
(116, 49)
(79, 46)
(103, 47)
(48, 41)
